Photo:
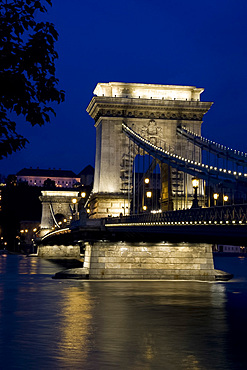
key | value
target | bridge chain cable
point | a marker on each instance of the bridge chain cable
(203, 171)
(53, 216)
(220, 150)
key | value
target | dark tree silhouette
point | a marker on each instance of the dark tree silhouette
(28, 85)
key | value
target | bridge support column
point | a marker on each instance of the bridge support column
(54, 203)
(58, 251)
(122, 260)
(112, 205)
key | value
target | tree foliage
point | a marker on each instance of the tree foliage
(28, 85)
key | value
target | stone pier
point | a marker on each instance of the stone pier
(122, 260)
(58, 251)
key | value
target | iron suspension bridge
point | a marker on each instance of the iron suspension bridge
(203, 171)
(227, 223)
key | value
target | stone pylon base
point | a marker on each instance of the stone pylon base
(44, 231)
(61, 251)
(121, 260)
(108, 205)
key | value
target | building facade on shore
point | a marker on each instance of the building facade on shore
(37, 177)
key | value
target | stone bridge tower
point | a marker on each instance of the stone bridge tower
(155, 112)
(57, 205)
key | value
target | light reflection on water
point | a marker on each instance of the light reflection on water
(52, 324)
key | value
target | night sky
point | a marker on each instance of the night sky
(176, 42)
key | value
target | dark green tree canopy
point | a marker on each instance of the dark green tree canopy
(28, 85)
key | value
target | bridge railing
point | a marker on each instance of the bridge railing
(224, 214)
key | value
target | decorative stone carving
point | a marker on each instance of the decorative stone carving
(152, 132)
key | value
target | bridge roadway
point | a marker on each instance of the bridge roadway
(224, 225)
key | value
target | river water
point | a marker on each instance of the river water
(70, 324)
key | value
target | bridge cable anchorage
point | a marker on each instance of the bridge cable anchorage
(53, 216)
(220, 150)
(217, 175)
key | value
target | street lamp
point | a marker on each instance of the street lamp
(225, 199)
(74, 201)
(149, 194)
(195, 184)
(83, 194)
(146, 180)
(144, 208)
(215, 196)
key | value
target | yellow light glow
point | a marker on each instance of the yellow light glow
(34, 230)
(60, 223)
(74, 200)
(216, 196)
(195, 183)
(144, 208)
(70, 217)
(83, 194)
(65, 220)
(225, 198)
(26, 230)
(149, 194)
(146, 180)
(22, 231)
(88, 210)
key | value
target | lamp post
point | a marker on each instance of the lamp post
(225, 199)
(74, 201)
(215, 196)
(195, 184)
(145, 192)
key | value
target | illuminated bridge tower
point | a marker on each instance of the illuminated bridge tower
(57, 206)
(155, 112)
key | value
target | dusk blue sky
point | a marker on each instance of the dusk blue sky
(176, 42)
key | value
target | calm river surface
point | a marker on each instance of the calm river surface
(67, 324)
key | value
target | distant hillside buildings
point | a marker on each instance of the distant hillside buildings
(60, 178)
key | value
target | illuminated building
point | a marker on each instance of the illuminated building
(37, 177)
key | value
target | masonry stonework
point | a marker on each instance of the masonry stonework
(153, 111)
(58, 251)
(122, 260)
(56, 202)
